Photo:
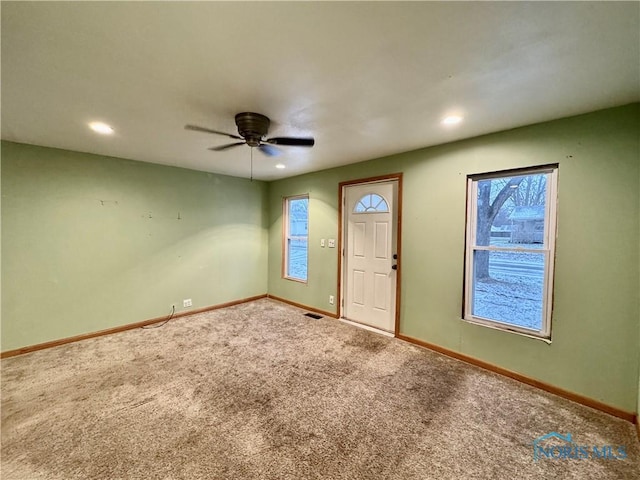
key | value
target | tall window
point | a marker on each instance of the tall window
(296, 235)
(510, 241)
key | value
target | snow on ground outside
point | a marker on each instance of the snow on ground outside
(512, 295)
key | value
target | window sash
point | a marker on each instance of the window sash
(547, 250)
(288, 238)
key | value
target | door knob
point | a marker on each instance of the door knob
(394, 267)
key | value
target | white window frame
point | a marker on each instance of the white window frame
(548, 249)
(287, 237)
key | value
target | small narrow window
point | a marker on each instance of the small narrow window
(371, 203)
(510, 242)
(296, 235)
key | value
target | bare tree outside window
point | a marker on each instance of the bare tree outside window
(509, 249)
(493, 195)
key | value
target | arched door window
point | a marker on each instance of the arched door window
(371, 203)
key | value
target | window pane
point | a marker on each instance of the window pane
(298, 219)
(508, 287)
(511, 211)
(297, 244)
(371, 203)
(297, 251)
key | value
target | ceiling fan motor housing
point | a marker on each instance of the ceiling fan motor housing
(252, 127)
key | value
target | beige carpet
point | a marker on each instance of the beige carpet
(259, 391)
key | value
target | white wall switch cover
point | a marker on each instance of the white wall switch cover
(322, 242)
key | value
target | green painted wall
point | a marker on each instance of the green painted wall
(91, 242)
(595, 349)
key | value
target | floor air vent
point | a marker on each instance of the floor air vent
(313, 315)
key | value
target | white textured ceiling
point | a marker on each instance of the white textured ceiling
(366, 79)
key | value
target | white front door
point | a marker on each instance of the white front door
(370, 237)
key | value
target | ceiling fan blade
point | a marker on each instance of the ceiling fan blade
(208, 130)
(292, 142)
(225, 147)
(269, 150)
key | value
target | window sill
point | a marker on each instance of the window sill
(505, 328)
(304, 282)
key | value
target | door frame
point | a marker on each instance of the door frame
(341, 230)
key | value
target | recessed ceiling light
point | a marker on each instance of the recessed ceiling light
(451, 120)
(100, 127)
(280, 165)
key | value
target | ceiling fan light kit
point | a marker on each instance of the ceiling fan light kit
(252, 128)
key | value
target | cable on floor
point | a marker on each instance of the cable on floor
(158, 325)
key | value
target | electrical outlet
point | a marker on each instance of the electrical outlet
(187, 302)
(331, 299)
(332, 243)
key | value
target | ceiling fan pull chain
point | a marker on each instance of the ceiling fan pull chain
(251, 167)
